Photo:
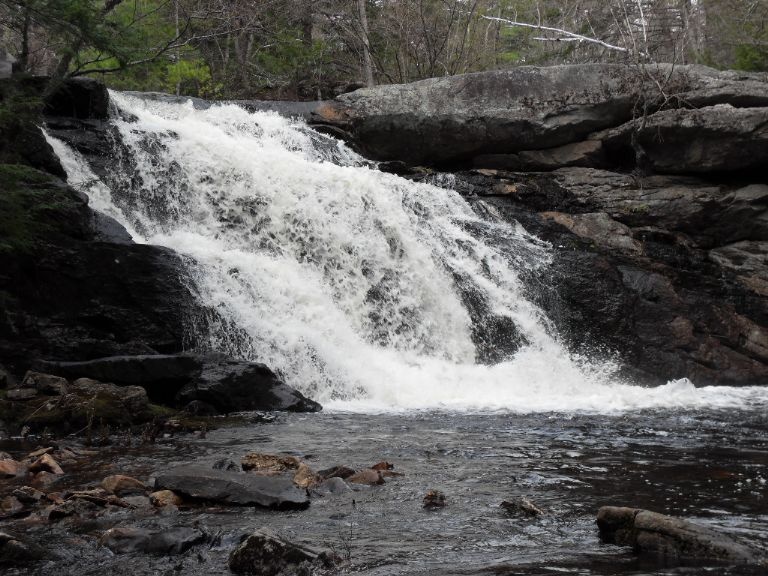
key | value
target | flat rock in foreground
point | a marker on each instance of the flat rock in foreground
(671, 540)
(201, 483)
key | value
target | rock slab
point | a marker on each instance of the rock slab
(202, 483)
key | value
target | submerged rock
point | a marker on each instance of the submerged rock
(17, 551)
(202, 483)
(670, 539)
(522, 506)
(367, 476)
(267, 554)
(433, 499)
(124, 540)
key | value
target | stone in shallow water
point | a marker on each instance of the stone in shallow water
(670, 539)
(202, 483)
(522, 506)
(265, 553)
(123, 485)
(16, 551)
(125, 539)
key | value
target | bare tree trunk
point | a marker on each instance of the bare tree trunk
(367, 62)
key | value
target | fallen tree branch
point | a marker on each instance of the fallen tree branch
(572, 36)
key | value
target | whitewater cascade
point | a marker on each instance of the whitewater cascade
(362, 289)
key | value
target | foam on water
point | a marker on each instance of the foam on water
(354, 284)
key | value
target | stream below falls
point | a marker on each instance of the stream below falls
(709, 466)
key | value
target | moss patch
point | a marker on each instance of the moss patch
(35, 206)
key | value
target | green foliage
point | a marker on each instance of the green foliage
(751, 58)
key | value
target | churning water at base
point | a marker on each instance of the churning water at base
(364, 290)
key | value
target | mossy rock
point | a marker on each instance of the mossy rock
(76, 412)
(37, 208)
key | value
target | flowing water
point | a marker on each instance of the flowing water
(381, 298)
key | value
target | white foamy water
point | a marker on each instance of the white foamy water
(354, 284)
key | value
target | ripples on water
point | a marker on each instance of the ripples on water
(708, 466)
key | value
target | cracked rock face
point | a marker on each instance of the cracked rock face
(526, 110)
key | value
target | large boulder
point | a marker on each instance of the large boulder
(128, 539)
(455, 118)
(234, 385)
(202, 483)
(671, 540)
(226, 384)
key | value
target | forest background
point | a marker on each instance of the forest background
(303, 49)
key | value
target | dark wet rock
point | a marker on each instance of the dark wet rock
(5, 378)
(227, 464)
(18, 551)
(45, 383)
(202, 483)
(72, 297)
(161, 375)
(121, 485)
(521, 506)
(200, 408)
(21, 394)
(10, 506)
(234, 385)
(124, 540)
(433, 499)
(342, 472)
(73, 507)
(588, 153)
(81, 98)
(333, 486)
(669, 539)
(28, 495)
(710, 139)
(267, 554)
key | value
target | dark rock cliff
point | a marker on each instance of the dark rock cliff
(72, 283)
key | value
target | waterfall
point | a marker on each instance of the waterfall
(364, 290)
